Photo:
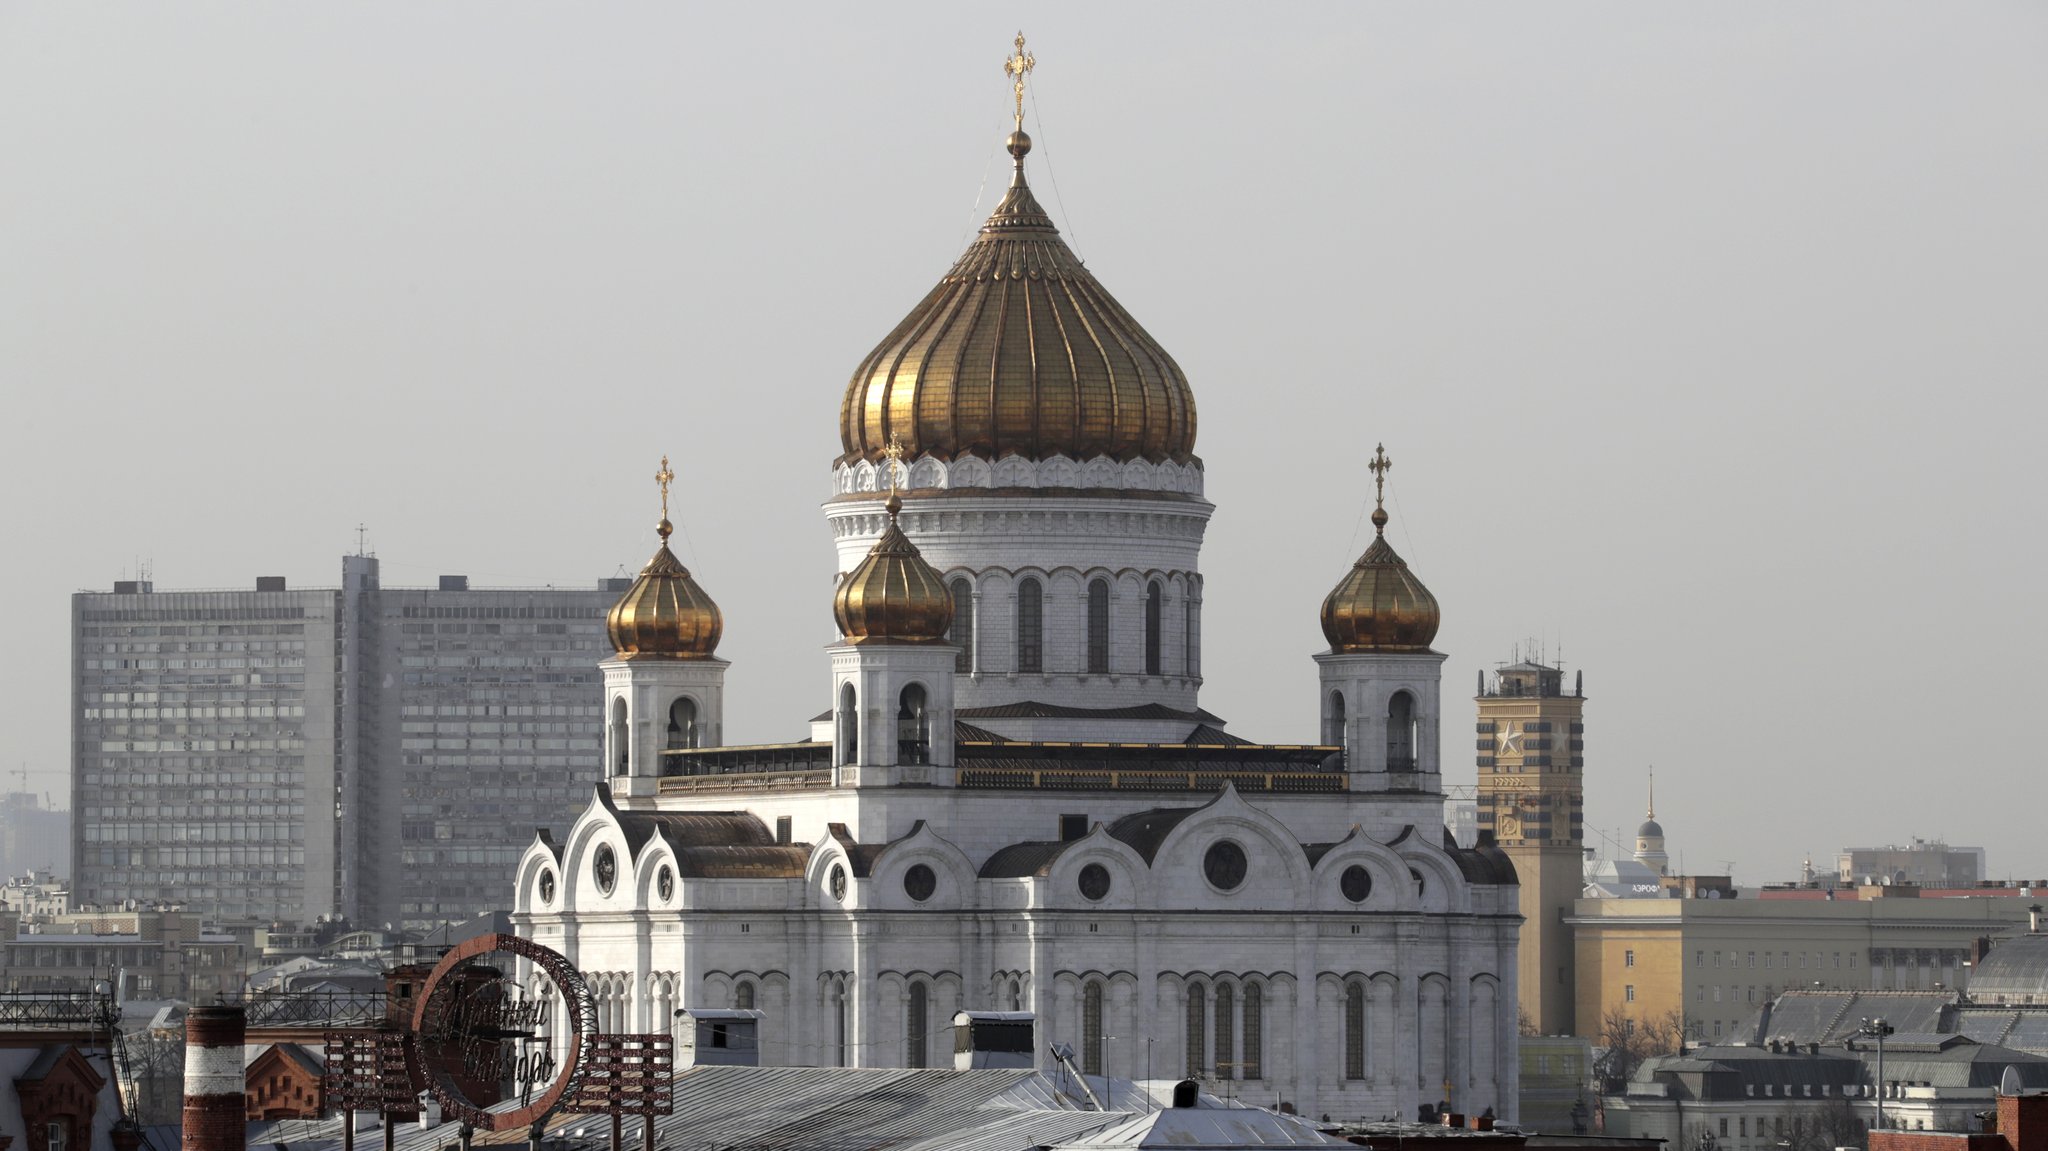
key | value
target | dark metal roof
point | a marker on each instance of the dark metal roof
(2015, 971)
(1144, 831)
(772, 861)
(1021, 859)
(1032, 709)
(695, 829)
(1205, 735)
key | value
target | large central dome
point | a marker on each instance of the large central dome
(1019, 351)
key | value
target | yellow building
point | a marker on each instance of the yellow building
(1712, 962)
(1531, 753)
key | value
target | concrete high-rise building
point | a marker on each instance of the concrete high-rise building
(33, 835)
(286, 753)
(1532, 797)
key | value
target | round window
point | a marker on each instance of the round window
(604, 867)
(1094, 881)
(838, 882)
(1355, 883)
(919, 882)
(547, 886)
(1224, 864)
(665, 883)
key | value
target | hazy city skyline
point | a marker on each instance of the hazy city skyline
(1704, 341)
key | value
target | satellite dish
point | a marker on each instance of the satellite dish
(2009, 1083)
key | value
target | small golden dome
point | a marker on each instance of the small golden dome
(892, 595)
(1379, 605)
(665, 615)
(1019, 351)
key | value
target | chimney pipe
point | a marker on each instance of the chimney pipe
(214, 1112)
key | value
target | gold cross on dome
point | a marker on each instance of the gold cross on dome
(1020, 65)
(892, 455)
(664, 477)
(1379, 465)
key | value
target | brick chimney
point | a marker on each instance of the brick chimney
(213, 1119)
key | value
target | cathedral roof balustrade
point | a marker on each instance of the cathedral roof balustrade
(1001, 764)
(1036, 777)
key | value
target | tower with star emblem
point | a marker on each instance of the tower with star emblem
(1532, 758)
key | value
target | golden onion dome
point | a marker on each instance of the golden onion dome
(1019, 351)
(1379, 605)
(892, 595)
(665, 615)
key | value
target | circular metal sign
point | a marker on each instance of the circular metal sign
(477, 1027)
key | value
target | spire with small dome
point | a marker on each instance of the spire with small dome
(893, 596)
(1379, 605)
(665, 615)
(1651, 828)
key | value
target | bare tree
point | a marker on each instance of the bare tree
(1524, 1025)
(1629, 1041)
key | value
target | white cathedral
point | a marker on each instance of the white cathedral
(1013, 800)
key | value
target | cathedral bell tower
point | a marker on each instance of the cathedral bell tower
(892, 671)
(664, 689)
(1380, 681)
(1532, 740)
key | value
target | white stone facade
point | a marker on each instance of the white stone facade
(1428, 954)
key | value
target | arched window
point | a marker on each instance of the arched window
(1198, 1039)
(849, 725)
(682, 723)
(663, 1005)
(1091, 1027)
(917, 1026)
(621, 749)
(840, 1031)
(913, 728)
(1191, 632)
(1154, 597)
(962, 632)
(1030, 626)
(743, 995)
(1226, 1009)
(1016, 996)
(1333, 727)
(1098, 627)
(1401, 732)
(1354, 1031)
(1253, 1059)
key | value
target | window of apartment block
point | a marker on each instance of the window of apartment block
(1628, 958)
(1628, 993)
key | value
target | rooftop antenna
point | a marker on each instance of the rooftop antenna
(362, 535)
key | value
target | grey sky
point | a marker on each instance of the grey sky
(1708, 340)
